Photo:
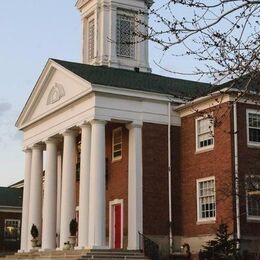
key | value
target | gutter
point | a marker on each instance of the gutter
(236, 175)
(170, 178)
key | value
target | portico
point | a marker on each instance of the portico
(92, 188)
(66, 114)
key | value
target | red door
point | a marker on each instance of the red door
(117, 230)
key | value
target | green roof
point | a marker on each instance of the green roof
(141, 81)
(11, 197)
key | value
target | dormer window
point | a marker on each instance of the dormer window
(125, 35)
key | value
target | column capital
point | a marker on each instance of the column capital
(51, 140)
(84, 124)
(98, 121)
(134, 125)
(69, 132)
(27, 149)
(38, 146)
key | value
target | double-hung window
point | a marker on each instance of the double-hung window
(125, 35)
(206, 199)
(117, 144)
(253, 127)
(12, 229)
(253, 197)
(204, 133)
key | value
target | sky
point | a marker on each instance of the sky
(31, 31)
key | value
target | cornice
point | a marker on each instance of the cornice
(81, 3)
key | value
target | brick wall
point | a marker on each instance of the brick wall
(217, 162)
(155, 179)
(249, 163)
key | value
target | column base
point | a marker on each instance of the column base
(82, 248)
(34, 250)
(46, 250)
(21, 251)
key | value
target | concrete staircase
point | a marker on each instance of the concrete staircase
(81, 254)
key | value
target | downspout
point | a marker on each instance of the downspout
(236, 174)
(170, 177)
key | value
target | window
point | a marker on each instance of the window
(204, 133)
(117, 144)
(253, 127)
(206, 199)
(253, 197)
(91, 39)
(125, 36)
(12, 229)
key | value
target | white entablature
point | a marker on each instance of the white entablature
(106, 26)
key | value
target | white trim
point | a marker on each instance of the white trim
(11, 209)
(251, 143)
(205, 220)
(117, 158)
(111, 221)
(205, 148)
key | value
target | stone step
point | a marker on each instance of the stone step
(81, 254)
(115, 256)
(112, 258)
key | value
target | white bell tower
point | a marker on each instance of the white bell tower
(107, 27)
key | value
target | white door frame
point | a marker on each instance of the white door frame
(112, 220)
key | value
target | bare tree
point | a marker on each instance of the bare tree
(222, 35)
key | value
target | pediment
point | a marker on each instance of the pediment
(55, 89)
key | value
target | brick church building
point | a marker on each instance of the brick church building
(125, 153)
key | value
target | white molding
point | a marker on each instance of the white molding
(205, 220)
(11, 209)
(203, 103)
(250, 143)
(112, 219)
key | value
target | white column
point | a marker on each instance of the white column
(26, 199)
(84, 185)
(59, 181)
(68, 194)
(97, 207)
(135, 186)
(35, 208)
(50, 196)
